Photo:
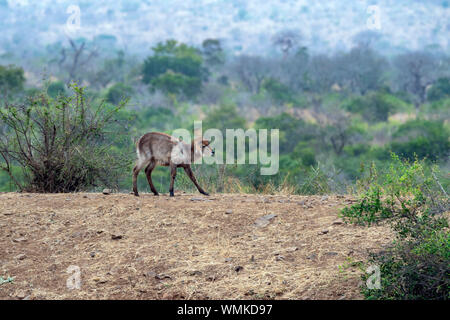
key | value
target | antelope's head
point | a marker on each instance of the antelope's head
(202, 148)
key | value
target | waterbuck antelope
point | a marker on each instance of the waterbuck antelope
(156, 148)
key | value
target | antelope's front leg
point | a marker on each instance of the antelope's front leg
(190, 174)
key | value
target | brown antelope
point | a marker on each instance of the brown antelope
(156, 148)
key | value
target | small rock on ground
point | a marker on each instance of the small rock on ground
(264, 220)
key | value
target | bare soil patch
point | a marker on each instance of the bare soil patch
(226, 246)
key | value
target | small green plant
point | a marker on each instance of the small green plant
(351, 263)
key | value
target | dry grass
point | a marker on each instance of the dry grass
(187, 247)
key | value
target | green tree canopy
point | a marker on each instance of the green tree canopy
(213, 53)
(174, 68)
(56, 88)
(12, 79)
(279, 92)
(423, 138)
(440, 90)
(118, 92)
(375, 106)
(224, 117)
(292, 130)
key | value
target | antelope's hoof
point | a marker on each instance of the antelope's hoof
(136, 194)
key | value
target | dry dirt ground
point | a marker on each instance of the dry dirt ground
(186, 247)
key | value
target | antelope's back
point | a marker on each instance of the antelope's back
(156, 145)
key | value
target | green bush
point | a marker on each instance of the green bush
(410, 198)
(422, 138)
(405, 192)
(56, 88)
(61, 145)
(413, 270)
(304, 153)
(224, 117)
(375, 106)
(12, 80)
(156, 119)
(279, 92)
(119, 92)
(292, 130)
(440, 90)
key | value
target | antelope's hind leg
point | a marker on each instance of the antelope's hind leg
(148, 173)
(136, 170)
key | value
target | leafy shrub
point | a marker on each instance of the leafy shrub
(414, 270)
(416, 266)
(440, 90)
(224, 117)
(56, 88)
(368, 210)
(279, 92)
(12, 80)
(292, 130)
(422, 138)
(305, 154)
(406, 191)
(60, 144)
(156, 119)
(119, 92)
(375, 106)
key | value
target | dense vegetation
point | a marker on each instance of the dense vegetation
(336, 113)
(409, 197)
